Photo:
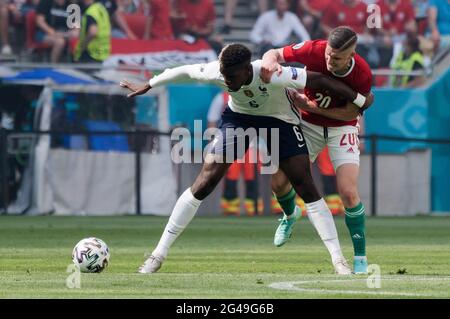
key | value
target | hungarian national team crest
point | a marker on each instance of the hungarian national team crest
(298, 45)
(249, 93)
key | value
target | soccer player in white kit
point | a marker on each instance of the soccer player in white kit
(253, 104)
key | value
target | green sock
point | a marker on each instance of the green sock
(355, 221)
(287, 202)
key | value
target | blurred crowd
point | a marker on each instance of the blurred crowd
(400, 34)
(403, 34)
(38, 25)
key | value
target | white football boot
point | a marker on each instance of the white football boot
(151, 265)
(341, 267)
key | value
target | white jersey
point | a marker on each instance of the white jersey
(257, 98)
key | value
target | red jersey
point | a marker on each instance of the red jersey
(395, 18)
(161, 25)
(312, 55)
(338, 13)
(318, 5)
(199, 13)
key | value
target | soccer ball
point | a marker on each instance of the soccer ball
(91, 255)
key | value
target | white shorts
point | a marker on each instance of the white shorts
(342, 142)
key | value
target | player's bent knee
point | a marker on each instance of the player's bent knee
(349, 197)
(280, 186)
(307, 190)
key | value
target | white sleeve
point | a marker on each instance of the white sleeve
(290, 77)
(197, 72)
(299, 29)
(215, 109)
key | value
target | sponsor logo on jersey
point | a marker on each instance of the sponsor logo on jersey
(298, 45)
(249, 93)
(294, 73)
(350, 150)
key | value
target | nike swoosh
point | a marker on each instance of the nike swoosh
(301, 145)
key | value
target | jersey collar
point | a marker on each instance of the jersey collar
(348, 72)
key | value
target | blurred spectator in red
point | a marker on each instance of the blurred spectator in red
(311, 12)
(409, 59)
(51, 19)
(273, 28)
(12, 14)
(439, 22)
(120, 28)
(158, 24)
(195, 19)
(230, 7)
(398, 18)
(351, 13)
(421, 8)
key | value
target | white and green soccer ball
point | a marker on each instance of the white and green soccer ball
(91, 255)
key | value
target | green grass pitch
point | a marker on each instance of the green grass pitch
(222, 258)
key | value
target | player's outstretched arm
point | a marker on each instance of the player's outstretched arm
(135, 89)
(317, 80)
(196, 72)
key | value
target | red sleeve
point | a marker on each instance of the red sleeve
(364, 81)
(300, 52)
(365, 85)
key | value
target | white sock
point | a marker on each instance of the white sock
(182, 214)
(320, 216)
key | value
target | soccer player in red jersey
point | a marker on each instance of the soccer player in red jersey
(337, 58)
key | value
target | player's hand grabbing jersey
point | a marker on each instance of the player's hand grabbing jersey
(312, 55)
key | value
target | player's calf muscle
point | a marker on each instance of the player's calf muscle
(208, 179)
(280, 184)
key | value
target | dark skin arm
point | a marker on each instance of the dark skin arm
(136, 89)
(348, 112)
(316, 80)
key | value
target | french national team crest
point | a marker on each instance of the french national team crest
(249, 93)
(294, 73)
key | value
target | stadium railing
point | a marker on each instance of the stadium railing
(141, 134)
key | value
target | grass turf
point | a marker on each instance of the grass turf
(222, 258)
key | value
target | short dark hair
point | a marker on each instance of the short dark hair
(342, 38)
(234, 54)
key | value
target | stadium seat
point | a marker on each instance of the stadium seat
(106, 143)
(30, 29)
(136, 22)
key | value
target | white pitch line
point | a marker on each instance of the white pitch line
(292, 286)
